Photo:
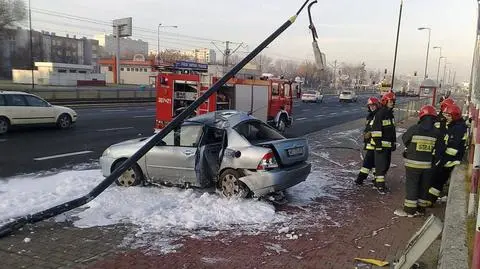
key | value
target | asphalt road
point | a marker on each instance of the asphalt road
(31, 150)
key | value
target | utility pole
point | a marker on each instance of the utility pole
(226, 53)
(334, 66)
(396, 43)
(31, 44)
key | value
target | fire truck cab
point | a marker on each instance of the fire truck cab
(268, 99)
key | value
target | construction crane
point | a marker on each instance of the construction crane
(319, 59)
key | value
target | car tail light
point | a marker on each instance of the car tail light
(268, 162)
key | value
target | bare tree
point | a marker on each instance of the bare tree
(11, 11)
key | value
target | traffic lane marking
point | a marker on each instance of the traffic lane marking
(299, 119)
(114, 110)
(144, 116)
(3, 140)
(62, 155)
(114, 129)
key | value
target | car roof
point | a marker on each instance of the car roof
(221, 119)
(13, 92)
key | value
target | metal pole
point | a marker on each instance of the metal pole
(118, 54)
(444, 71)
(439, 59)
(31, 44)
(158, 42)
(64, 207)
(428, 50)
(396, 43)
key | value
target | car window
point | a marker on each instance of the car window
(35, 101)
(2, 100)
(346, 93)
(275, 90)
(287, 89)
(185, 136)
(257, 132)
(310, 92)
(15, 100)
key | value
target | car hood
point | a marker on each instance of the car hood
(132, 142)
(64, 109)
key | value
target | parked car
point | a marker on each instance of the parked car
(312, 96)
(20, 108)
(232, 151)
(348, 96)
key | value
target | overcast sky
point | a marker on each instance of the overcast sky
(351, 31)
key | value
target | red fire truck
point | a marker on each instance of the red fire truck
(268, 99)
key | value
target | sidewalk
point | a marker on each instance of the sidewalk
(343, 222)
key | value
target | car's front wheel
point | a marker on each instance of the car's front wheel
(4, 125)
(230, 185)
(132, 177)
(64, 121)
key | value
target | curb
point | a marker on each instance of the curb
(453, 249)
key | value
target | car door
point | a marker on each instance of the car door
(173, 161)
(40, 110)
(17, 109)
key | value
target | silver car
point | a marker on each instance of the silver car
(232, 151)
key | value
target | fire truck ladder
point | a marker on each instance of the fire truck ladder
(205, 82)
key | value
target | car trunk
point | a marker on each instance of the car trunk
(289, 151)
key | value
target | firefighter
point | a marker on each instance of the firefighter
(455, 141)
(383, 139)
(373, 105)
(421, 141)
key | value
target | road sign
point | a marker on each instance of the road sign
(124, 25)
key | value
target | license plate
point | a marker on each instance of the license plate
(295, 151)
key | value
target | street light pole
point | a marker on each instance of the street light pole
(428, 48)
(396, 43)
(444, 71)
(158, 37)
(439, 58)
(31, 44)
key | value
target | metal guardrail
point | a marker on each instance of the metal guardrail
(96, 95)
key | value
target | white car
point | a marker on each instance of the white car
(20, 108)
(348, 96)
(312, 96)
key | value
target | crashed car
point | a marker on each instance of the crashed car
(232, 151)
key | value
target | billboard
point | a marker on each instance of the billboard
(124, 26)
(191, 65)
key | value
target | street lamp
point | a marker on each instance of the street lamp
(428, 47)
(158, 36)
(444, 71)
(439, 58)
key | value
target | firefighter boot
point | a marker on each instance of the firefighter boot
(380, 185)
(360, 178)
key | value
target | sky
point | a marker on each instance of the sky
(350, 31)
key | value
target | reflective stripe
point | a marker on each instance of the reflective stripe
(434, 192)
(465, 136)
(370, 147)
(379, 149)
(437, 125)
(423, 203)
(451, 163)
(451, 151)
(386, 144)
(376, 133)
(380, 179)
(410, 203)
(373, 170)
(372, 141)
(422, 137)
(417, 164)
(386, 122)
(364, 170)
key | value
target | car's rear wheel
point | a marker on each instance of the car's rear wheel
(132, 177)
(64, 121)
(4, 125)
(230, 185)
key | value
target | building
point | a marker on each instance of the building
(203, 55)
(128, 47)
(136, 71)
(59, 74)
(47, 47)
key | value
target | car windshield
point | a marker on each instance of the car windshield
(257, 132)
(346, 92)
(310, 92)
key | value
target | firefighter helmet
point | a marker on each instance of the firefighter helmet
(427, 110)
(445, 103)
(373, 101)
(454, 110)
(389, 96)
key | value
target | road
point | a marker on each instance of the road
(42, 149)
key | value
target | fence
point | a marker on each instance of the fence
(410, 108)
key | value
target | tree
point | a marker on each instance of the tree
(11, 11)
